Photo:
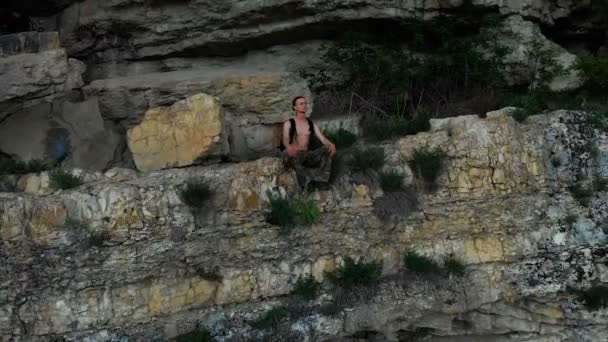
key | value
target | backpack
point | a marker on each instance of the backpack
(313, 142)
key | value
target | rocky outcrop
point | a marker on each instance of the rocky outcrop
(529, 50)
(34, 70)
(161, 29)
(72, 132)
(253, 102)
(161, 267)
(179, 135)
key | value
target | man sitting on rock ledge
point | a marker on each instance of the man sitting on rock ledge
(309, 152)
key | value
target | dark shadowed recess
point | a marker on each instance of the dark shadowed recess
(387, 30)
(585, 29)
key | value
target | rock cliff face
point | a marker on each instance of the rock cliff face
(163, 269)
(131, 95)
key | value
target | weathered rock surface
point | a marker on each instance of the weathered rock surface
(179, 135)
(161, 267)
(252, 101)
(526, 42)
(158, 29)
(72, 132)
(34, 70)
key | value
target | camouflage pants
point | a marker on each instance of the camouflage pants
(311, 166)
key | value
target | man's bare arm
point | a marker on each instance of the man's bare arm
(285, 137)
(320, 135)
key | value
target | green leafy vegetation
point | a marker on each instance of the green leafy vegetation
(97, 239)
(307, 211)
(285, 212)
(428, 163)
(210, 274)
(196, 193)
(391, 127)
(570, 218)
(271, 319)
(281, 211)
(9, 166)
(420, 263)
(195, 336)
(454, 266)
(341, 138)
(595, 298)
(370, 158)
(600, 184)
(581, 193)
(527, 104)
(306, 287)
(351, 273)
(61, 179)
(556, 162)
(599, 120)
(594, 72)
(391, 180)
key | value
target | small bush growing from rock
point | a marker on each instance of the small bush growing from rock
(595, 298)
(196, 193)
(195, 336)
(370, 158)
(600, 184)
(210, 274)
(11, 167)
(379, 130)
(454, 266)
(594, 72)
(306, 287)
(391, 180)
(581, 193)
(329, 309)
(307, 211)
(270, 319)
(598, 120)
(527, 105)
(397, 126)
(570, 218)
(96, 239)
(352, 273)
(341, 138)
(61, 179)
(428, 163)
(420, 263)
(556, 162)
(281, 211)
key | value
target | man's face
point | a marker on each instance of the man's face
(301, 106)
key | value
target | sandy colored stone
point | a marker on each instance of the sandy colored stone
(177, 135)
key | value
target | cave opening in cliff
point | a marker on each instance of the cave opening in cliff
(13, 21)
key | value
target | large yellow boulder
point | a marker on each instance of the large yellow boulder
(178, 135)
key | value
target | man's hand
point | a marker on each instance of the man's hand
(332, 149)
(292, 151)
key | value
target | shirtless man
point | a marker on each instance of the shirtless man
(310, 165)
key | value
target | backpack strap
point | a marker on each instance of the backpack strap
(292, 129)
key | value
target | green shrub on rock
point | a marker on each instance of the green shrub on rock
(391, 181)
(370, 158)
(281, 211)
(352, 273)
(306, 287)
(195, 336)
(595, 298)
(428, 163)
(341, 138)
(64, 180)
(196, 193)
(420, 263)
(307, 211)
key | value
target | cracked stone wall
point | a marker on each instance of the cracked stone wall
(163, 268)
